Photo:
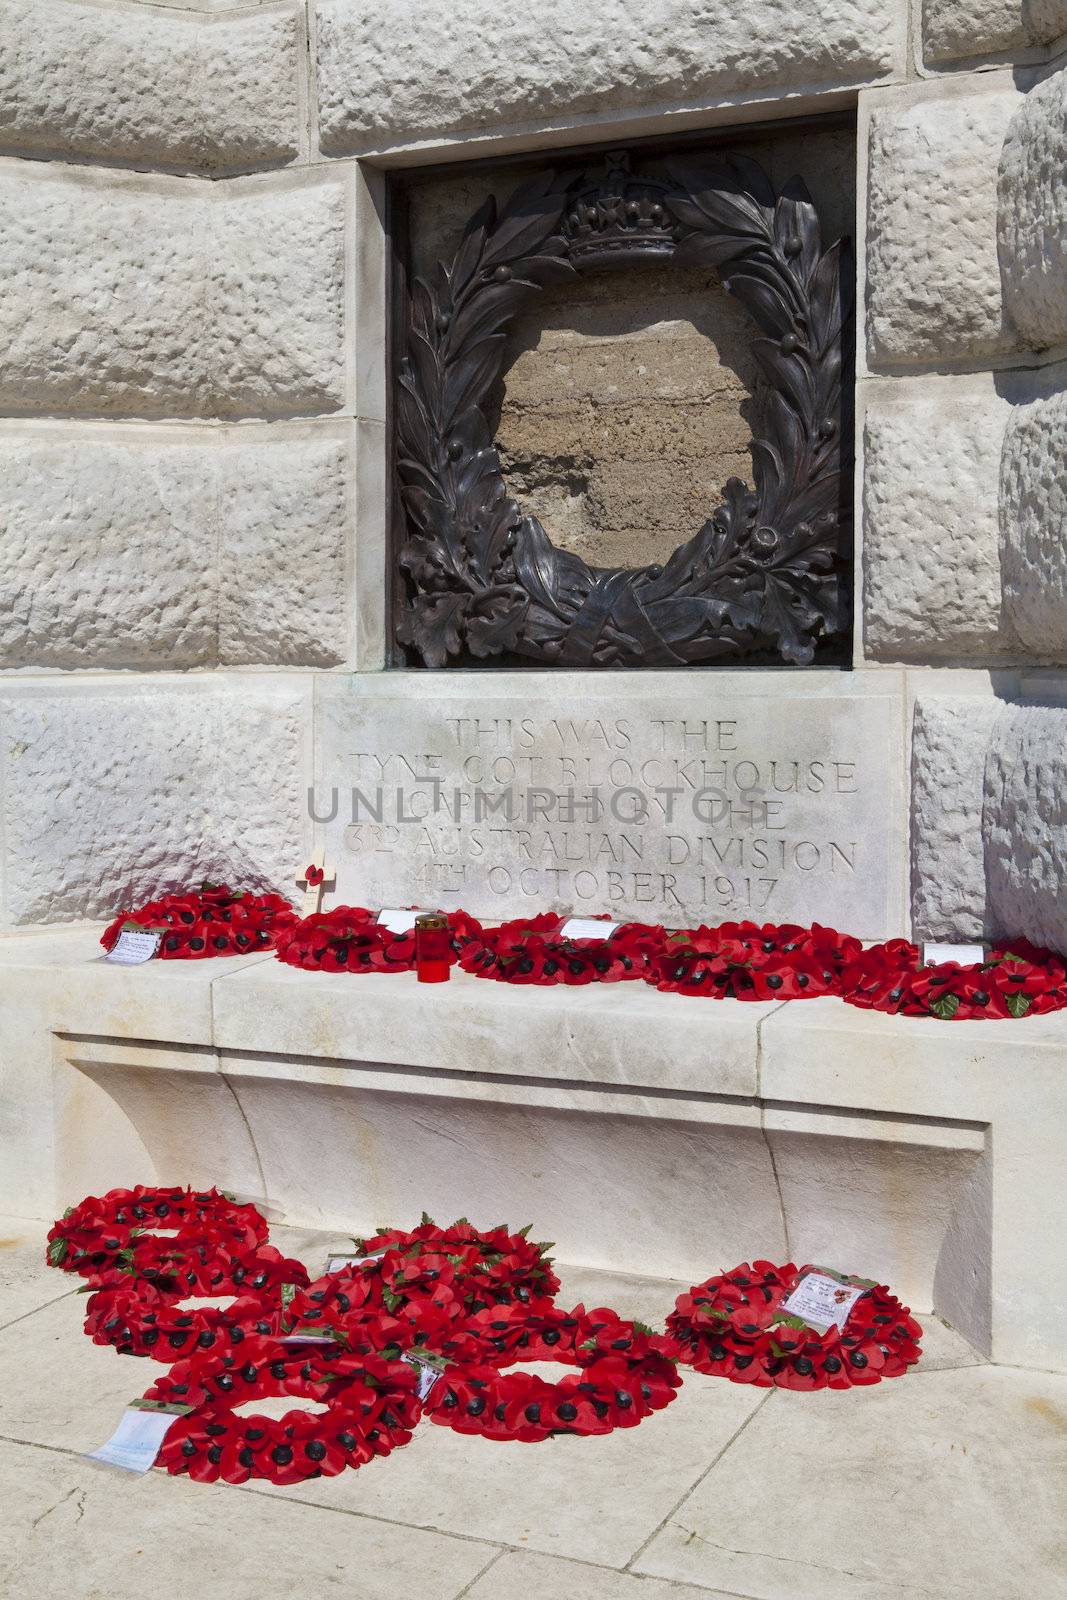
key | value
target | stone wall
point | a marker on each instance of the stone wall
(192, 395)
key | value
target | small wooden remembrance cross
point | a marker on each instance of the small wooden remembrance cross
(315, 879)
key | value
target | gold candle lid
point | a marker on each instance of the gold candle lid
(431, 919)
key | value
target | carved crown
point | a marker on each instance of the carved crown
(618, 217)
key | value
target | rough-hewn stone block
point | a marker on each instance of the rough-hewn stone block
(161, 548)
(285, 553)
(1033, 214)
(276, 278)
(107, 554)
(407, 69)
(933, 276)
(1026, 823)
(114, 793)
(1034, 525)
(149, 85)
(171, 297)
(931, 558)
(957, 30)
(950, 738)
(1045, 20)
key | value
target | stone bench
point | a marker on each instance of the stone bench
(649, 1132)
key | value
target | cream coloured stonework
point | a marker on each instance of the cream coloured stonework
(195, 428)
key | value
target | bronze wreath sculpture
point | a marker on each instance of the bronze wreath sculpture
(766, 574)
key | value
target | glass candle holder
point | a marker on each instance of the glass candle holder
(433, 947)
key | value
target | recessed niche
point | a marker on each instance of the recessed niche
(627, 396)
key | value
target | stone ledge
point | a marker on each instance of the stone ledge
(1000, 1272)
(810, 1128)
(156, 87)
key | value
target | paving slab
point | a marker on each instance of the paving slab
(518, 1576)
(81, 1531)
(595, 1499)
(950, 1485)
(525, 1495)
(26, 1280)
(57, 1388)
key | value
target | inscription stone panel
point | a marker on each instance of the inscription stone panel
(674, 799)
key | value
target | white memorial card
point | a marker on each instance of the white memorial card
(338, 1259)
(135, 1443)
(587, 928)
(823, 1301)
(135, 945)
(427, 1371)
(399, 921)
(967, 955)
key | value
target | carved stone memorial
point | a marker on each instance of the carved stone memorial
(775, 796)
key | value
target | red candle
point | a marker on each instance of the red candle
(433, 947)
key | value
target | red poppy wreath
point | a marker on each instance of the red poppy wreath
(625, 1373)
(212, 921)
(747, 961)
(735, 1325)
(434, 1264)
(1014, 981)
(144, 1320)
(533, 950)
(371, 1408)
(122, 1228)
(351, 939)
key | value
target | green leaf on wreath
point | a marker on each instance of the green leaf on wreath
(1017, 1004)
(391, 1301)
(643, 1327)
(945, 1007)
(786, 1319)
(426, 1221)
(68, 1213)
(57, 1252)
